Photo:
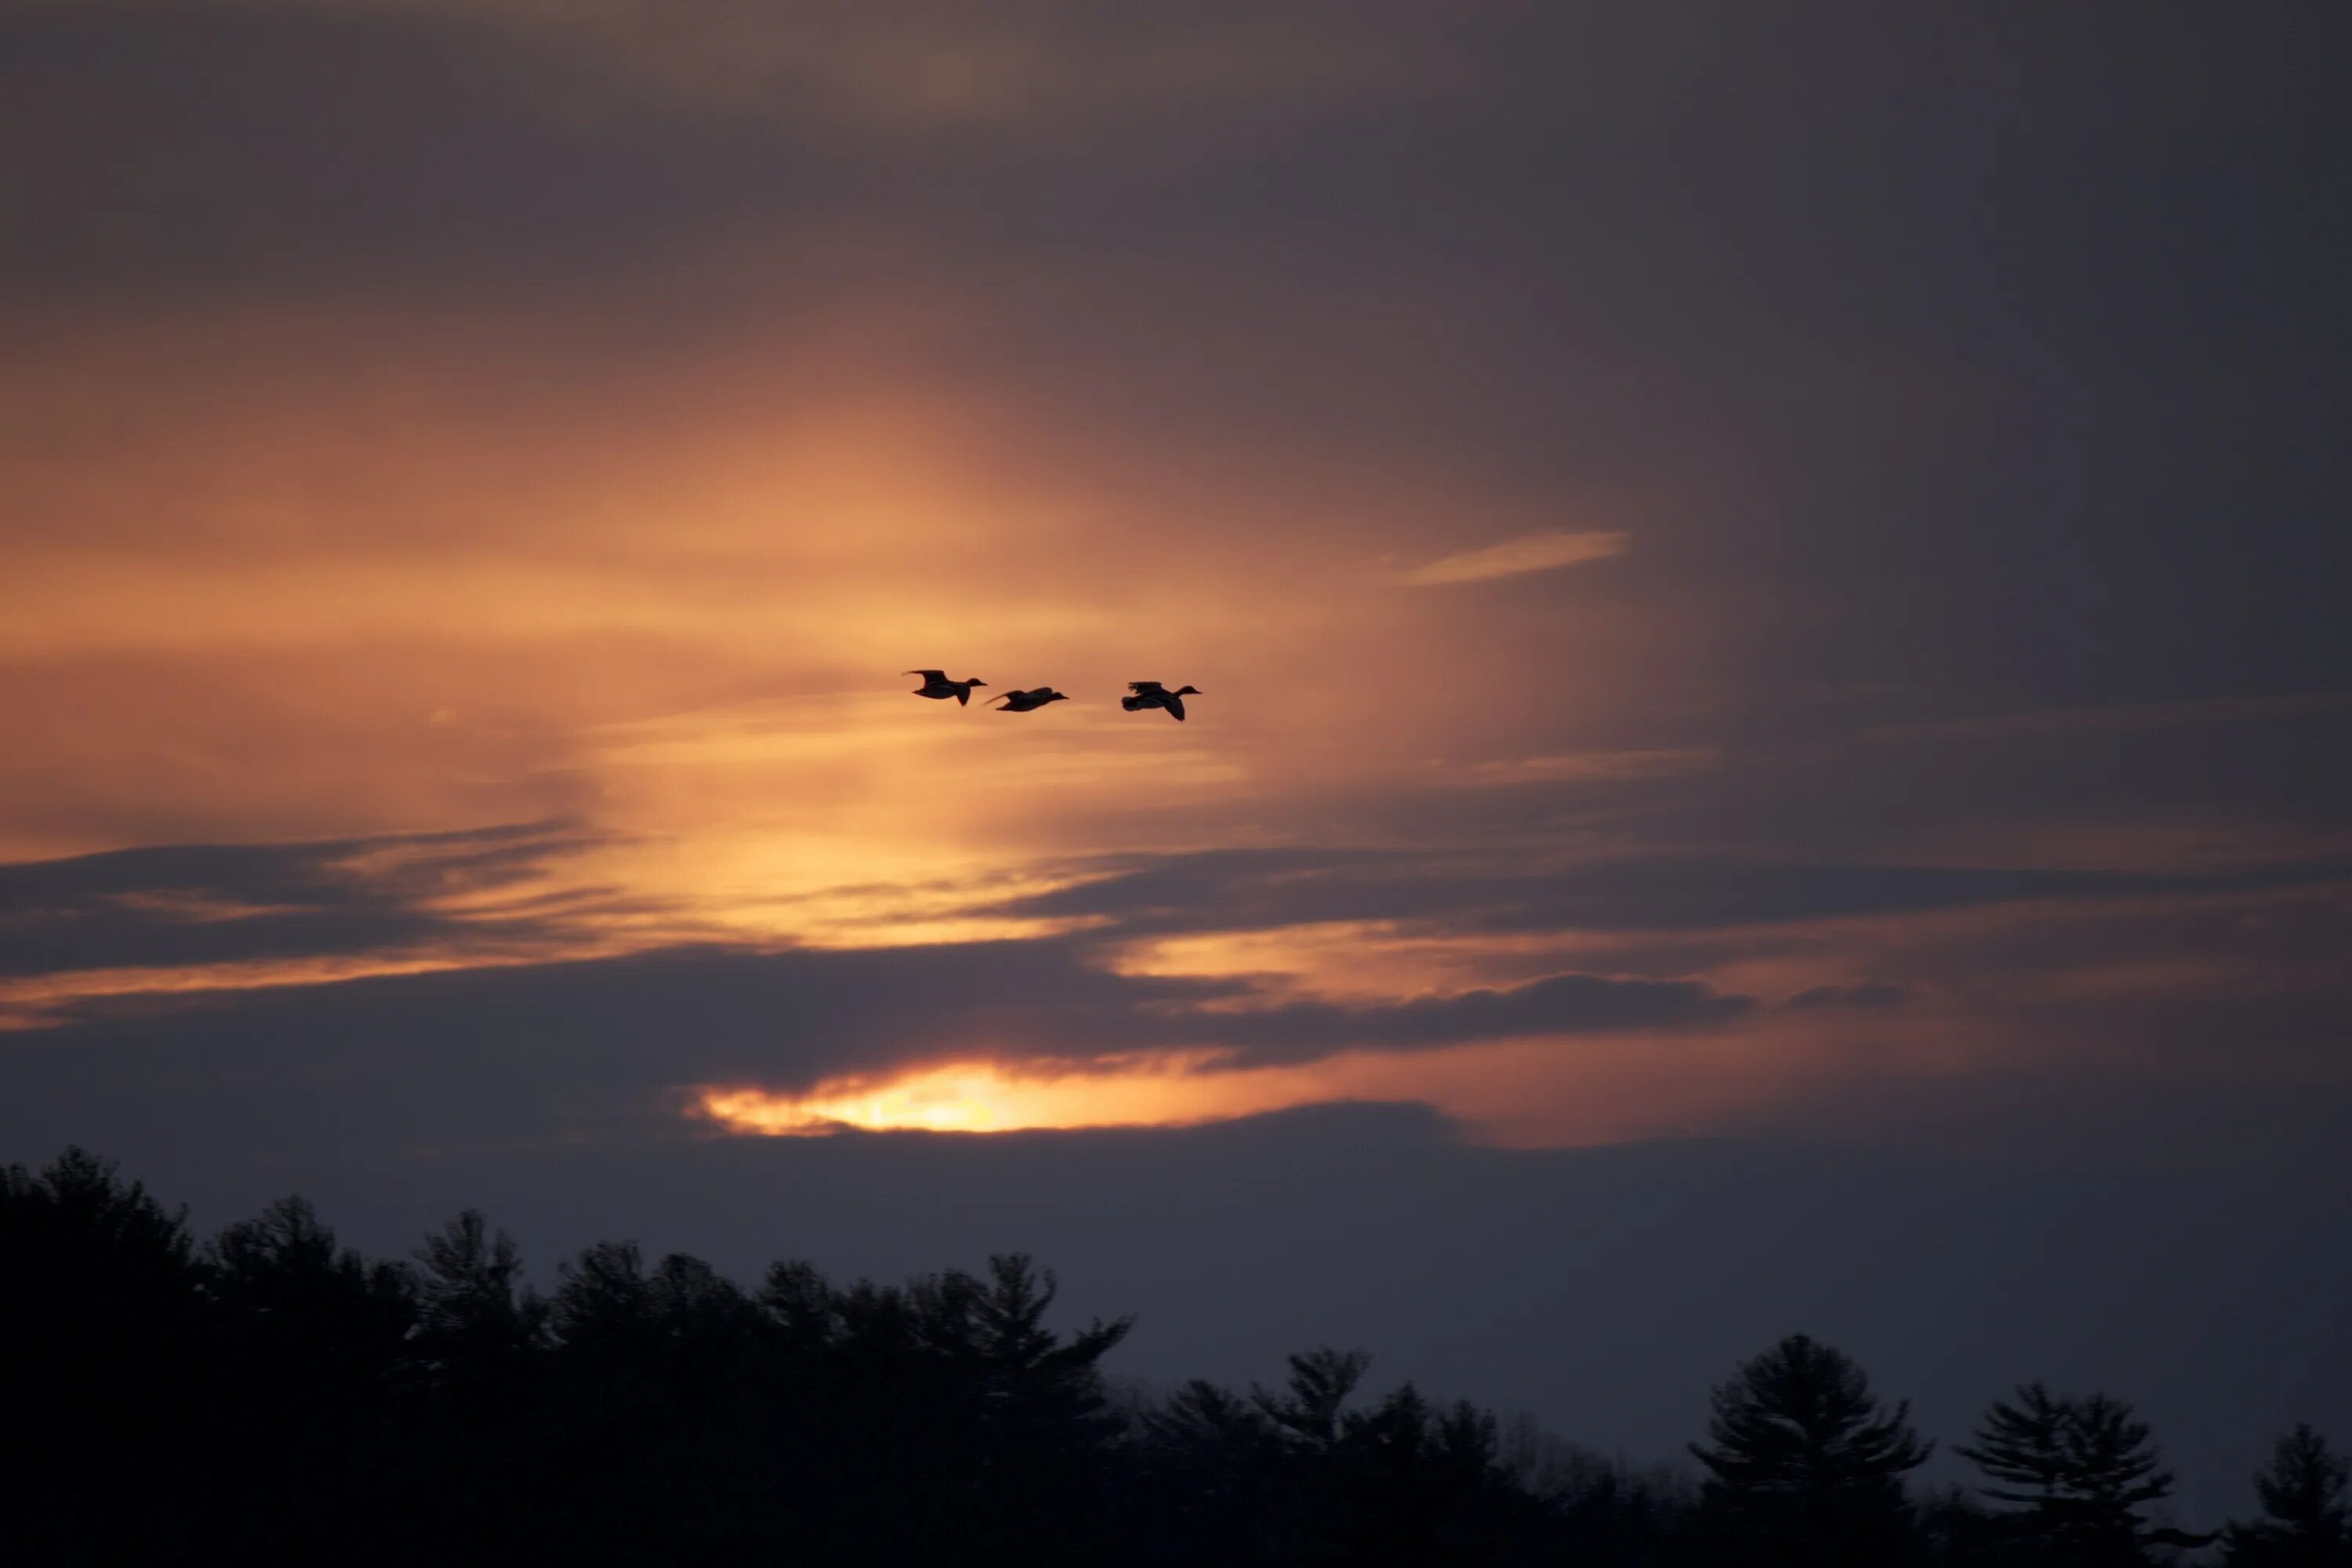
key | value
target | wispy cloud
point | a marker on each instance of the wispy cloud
(1514, 557)
(1592, 767)
(191, 916)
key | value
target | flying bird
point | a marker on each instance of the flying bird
(937, 684)
(1151, 694)
(1030, 700)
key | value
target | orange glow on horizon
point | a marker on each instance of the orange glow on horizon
(1529, 1093)
(1170, 1090)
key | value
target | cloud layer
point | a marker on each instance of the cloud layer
(448, 415)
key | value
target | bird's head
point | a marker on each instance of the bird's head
(975, 680)
(1053, 696)
(1187, 691)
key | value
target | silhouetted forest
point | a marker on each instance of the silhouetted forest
(271, 1396)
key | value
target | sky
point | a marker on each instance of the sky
(1765, 587)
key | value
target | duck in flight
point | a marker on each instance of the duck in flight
(1151, 694)
(1030, 700)
(937, 684)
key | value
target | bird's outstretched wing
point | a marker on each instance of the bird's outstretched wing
(1175, 706)
(1145, 687)
(941, 675)
(963, 696)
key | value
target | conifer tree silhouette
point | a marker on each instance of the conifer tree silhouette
(282, 1268)
(103, 1316)
(2307, 1523)
(603, 1309)
(2083, 1469)
(277, 1395)
(1805, 1462)
(1035, 1382)
(798, 1303)
(477, 1320)
(1321, 1382)
(313, 1341)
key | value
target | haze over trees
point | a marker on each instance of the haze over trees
(273, 1396)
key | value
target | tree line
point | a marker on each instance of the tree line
(273, 1396)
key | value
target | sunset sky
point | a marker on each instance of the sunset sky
(1762, 574)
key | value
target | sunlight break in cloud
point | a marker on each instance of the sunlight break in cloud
(1161, 1090)
(1514, 557)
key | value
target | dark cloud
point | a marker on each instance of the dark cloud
(2202, 770)
(1872, 994)
(1248, 890)
(602, 1047)
(1559, 1004)
(526, 1047)
(194, 151)
(222, 903)
(230, 150)
(194, 904)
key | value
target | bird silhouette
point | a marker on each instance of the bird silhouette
(937, 684)
(1030, 700)
(1151, 694)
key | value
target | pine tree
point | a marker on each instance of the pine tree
(314, 1345)
(1321, 1382)
(1805, 1463)
(478, 1323)
(603, 1310)
(1032, 1376)
(2083, 1469)
(2024, 1445)
(282, 1279)
(1799, 1421)
(329, 1320)
(2307, 1523)
(108, 1367)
